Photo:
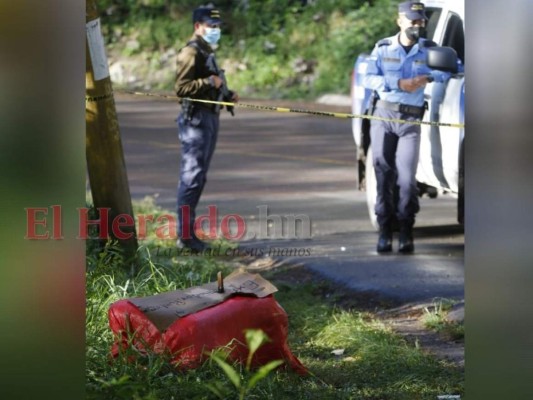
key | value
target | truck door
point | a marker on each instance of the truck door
(451, 108)
(439, 147)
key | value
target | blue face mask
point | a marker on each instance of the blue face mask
(212, 35)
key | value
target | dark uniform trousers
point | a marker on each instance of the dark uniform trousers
(198, 138)
(395, 149)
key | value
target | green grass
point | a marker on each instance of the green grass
(376, 363)
(435, 318)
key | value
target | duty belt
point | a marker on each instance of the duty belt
(402, 108)
(209, 107)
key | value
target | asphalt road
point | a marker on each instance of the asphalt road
(291, 179)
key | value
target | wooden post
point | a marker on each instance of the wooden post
(105, 158)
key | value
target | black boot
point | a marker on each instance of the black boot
(407, 244)
(385, 239)
(194, 244)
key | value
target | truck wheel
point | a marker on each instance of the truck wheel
(371, 188)
(372, 192)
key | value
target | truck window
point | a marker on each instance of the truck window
(433, 15)
(454, 35)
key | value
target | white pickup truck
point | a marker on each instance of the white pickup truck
(441, 165)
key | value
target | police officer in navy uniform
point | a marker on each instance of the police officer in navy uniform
(397, 73)
(197, 77)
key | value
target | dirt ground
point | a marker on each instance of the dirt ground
(407, 321)
(404, 319)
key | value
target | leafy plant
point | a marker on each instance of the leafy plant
(243, 384)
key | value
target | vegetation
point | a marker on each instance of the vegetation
(269, 48)
(435, 318)
(350, 354)
(255, 338)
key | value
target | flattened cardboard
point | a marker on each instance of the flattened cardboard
(165, 308)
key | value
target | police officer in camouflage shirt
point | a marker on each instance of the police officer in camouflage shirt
(197, 77)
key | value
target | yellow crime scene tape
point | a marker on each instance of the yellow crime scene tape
(300, 111)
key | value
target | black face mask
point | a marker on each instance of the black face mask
(414, 33)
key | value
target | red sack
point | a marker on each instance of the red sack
(188, 338)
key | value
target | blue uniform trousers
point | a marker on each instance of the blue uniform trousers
(198, 139)
(395, 148)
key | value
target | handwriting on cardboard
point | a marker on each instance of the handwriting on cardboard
(165, 308)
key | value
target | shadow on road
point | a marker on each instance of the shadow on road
(439, 230)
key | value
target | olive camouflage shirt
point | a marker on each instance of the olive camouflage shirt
(192, 74)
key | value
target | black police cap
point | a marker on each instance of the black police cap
(413, 10)
(207, 14)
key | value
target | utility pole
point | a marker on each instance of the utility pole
(105, 158)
